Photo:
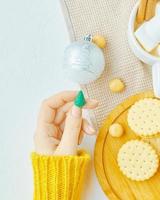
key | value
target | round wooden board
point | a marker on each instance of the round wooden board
(115, 185)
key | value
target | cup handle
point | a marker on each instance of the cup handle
(156, 79)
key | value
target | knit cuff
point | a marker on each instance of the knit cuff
(59, 177)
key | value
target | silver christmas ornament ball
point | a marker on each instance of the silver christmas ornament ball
(83, 62)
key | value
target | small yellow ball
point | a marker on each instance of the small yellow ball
(116, 130)
(99, 41)
(116, 85)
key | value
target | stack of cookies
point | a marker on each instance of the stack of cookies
(147, 26)
(146, 10)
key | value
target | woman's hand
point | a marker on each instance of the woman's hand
(60, 127)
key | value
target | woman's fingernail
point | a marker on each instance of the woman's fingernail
(76, 112)
(91, 130)
(94, 101)
(80, 99)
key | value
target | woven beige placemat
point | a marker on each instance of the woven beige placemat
(110, 19)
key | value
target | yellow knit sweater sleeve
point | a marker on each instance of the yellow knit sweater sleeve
(59, 177)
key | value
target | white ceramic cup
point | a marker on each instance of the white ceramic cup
(142, 54)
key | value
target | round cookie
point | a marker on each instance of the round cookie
(116, 130)
(116, 85)
(144, 117)
(99, 40)
(138, 160)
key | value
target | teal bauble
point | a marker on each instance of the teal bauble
(83, 62)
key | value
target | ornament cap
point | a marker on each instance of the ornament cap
(80, 99)
(88, 38)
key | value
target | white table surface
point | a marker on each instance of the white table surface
(33, 36)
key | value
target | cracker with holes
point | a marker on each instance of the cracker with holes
(138, 160)
(144, 117)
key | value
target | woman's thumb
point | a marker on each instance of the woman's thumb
(69, 140)
(73, 124)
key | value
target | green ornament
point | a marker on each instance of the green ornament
(80, 100)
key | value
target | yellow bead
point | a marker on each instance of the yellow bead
(116, 85)
(116, 130)
(99, 41)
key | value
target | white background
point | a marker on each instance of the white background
(33, 36)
